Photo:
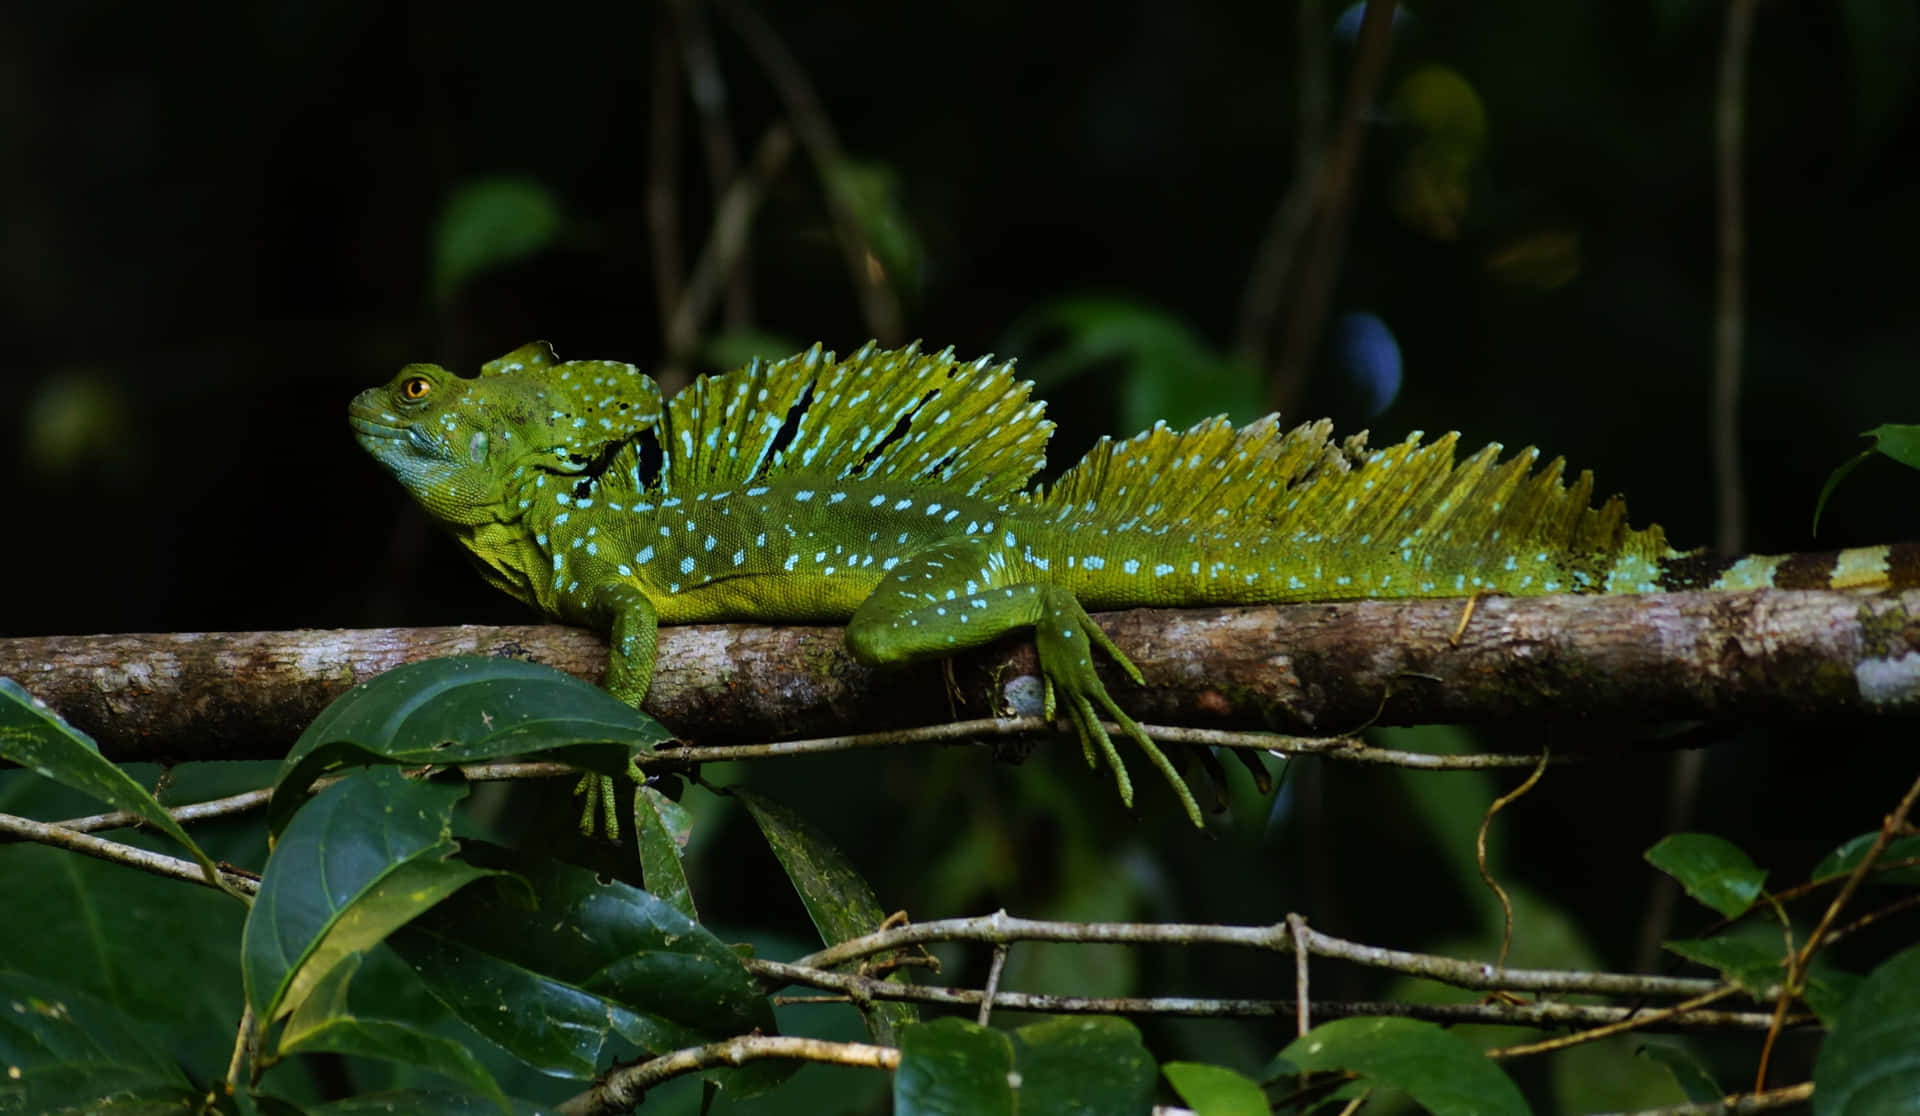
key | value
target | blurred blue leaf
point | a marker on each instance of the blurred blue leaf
(1369, 358)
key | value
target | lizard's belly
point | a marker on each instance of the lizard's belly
(796, 596)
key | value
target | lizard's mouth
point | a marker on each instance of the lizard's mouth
(376, 429)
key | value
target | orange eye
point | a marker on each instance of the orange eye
(416, 387)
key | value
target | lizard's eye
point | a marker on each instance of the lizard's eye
(416, 388)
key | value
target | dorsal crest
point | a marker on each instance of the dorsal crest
(881, 413)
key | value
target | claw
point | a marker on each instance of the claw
(1066, 663)
(596, 791)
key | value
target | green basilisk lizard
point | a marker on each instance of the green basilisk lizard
(888, 490)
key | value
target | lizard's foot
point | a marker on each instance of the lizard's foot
(1065, 638)
(597, 801)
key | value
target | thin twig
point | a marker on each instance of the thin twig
(1332, 202)
(994, 970)
(1273, 260)
(1871, 917)
(789, 79)
(1480, 853)
(709, 88)
(1636, 1021)
(1347, 748)
(1002, 927)
(1539, 1013)
(1729, 321)
(159, 864)
(1735, 1105)
(726, 245)
(623, 1089)
(1303, 1015)
(663, 163)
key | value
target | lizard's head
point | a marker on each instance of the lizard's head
(455, 443)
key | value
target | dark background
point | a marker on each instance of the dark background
(219, 225)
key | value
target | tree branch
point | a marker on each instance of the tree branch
(1317, 669)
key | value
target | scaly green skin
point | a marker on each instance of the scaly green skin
(886, 490)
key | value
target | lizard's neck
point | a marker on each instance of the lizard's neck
(513, 549)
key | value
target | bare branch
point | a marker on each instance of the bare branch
(624, 1088)
(1540, 1013)
(1000, 928)
(1319, 669)
(159, 864)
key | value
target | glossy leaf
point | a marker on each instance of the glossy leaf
(1901, 443)
(1712, 870)
(951, 1067)
(487, 224)
(551, 959)
(37, 738)
(1828, 989)
(1693, 1077)
(96, 928)
(464, 709)
(1215, 1090)
(661, 828)
(1083, 1064)
(1442, 1071)
(1753, 967)
(1844, 859)
(63, 1050)
(424, 1102)
(1870, 1064)
(368, 855)
(325, 1022)
(838, 899)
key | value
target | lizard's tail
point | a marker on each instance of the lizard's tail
(1339, 519)
(1319, 519)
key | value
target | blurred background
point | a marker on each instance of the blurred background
(223, 220)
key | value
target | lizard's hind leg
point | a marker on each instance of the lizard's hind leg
(966, 593)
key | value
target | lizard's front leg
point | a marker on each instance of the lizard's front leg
(633, 634)
(966, 593)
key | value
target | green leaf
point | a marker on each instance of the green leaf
(65, 1051)
(1870, 1064)
(37, 738)
(1085, 1063)
(1844, 859)
(423, 1102)
(324, 1022)
(1882, 35)
(1170, 373)
(661, 827)
(736, 348)
(1689, 1073)
(368, 855)
(1753, 967)
(549, 978)
(155, 950)
(1215, 1090)
(464, 709)
(1901, 443)
(1828, 989)
(838, 899)
(489, 223)
(1712, 870)
(951, 1067)
(872, 191)
(1438, 1069)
